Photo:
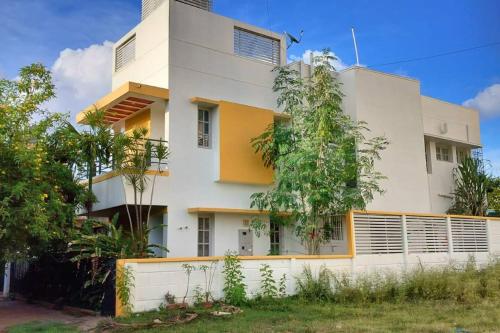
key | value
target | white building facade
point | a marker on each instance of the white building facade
(203, 82)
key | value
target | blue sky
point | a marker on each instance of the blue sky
(69, 37)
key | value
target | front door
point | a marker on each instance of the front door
(245, 241)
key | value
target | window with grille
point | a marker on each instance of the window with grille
(203, 236)
(203, 128)
(125, 53)
(426, 234)
(378, 234)
(443, 153)
(469, 235)
(335, 227)
(275, 237)
(253, 45)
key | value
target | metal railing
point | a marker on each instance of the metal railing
(109, 165)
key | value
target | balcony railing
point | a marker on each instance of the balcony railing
(153, 163)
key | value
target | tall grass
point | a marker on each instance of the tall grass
(466, 284)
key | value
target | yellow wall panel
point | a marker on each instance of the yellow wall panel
(238, 125)
(141, 120)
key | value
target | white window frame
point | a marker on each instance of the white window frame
(205, 242)
(204, 140)
(440, 153)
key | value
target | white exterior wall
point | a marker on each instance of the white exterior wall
(450, 121)
(151, 52)
(391, 106)
(202, 63)
(153, 280)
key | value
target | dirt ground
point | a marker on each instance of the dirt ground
(18, 312)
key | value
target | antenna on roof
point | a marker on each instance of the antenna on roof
(355, 46)
(292, 38)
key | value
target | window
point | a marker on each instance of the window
(203, 128)
(125, 53)
(462, 154)
(336, 227)
(443, 153)
(253, 45)
(274, 233)
(203, 236)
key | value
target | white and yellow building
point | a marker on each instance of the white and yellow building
(203, 82)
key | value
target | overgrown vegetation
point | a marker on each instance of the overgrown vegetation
(465, 284)
(234, 288)
(124, 283)
(323, 163)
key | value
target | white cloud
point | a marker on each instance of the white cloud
(486, 101)
(81, 77)
(338, 64)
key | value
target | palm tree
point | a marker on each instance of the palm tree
(470, 195)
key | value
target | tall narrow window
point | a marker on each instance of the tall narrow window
(254, 45)
(443, 153)
(203, 236)
(462, 154)
(125, 53)
(203, 128)
(274, 234)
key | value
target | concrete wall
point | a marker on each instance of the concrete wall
(391, 106)
(151, 53)
(153, 278)
(451, 122)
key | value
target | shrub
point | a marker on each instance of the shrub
(466, 284)
(267, 282)
(314, 288)
(234, 288)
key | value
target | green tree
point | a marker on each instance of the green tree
(137, 156)
(38, 190)
(471, 182)
(323, 164)
(494, 194)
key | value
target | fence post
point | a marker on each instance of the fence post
(450, 235)
(405, 242)
(6, 280)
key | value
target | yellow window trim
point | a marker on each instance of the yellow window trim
(212, 103)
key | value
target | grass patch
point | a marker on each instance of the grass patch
(46, 327)
(295, 315)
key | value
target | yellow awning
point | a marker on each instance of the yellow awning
(125, 101)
